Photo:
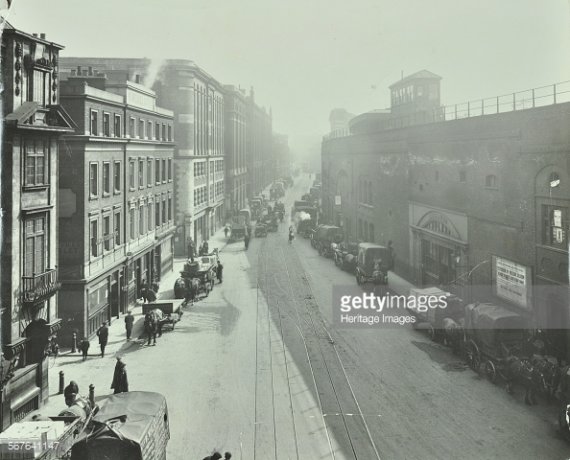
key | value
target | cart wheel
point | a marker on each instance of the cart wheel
(473, 356)
(491, 371)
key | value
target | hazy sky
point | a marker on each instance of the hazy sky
(306, 57)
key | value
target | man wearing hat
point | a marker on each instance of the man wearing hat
(129, 321)
(103, 334)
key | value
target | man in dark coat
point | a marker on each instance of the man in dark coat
(219, 271)
(71, 389)
(84, 347)
(191, 250)
(120, 382)
(103, 334)
(129, 321)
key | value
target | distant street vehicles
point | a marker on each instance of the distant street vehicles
(277, 190)
(260, 230)
(197, 277)
(306, 219)
(239, 226)
(324, 236)
(373, 264)
(300, 204)
(428, 308)
(345, 256)
(171, 311)
(246, 213)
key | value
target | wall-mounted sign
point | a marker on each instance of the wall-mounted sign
(512, 282)
(337, 200)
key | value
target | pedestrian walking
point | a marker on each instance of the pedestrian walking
(246, 241)
(219, 271)
(103, 334)
(206, 249)
(129, 321)
(120, 382)
(291, 236)
(84, 347)
(226, 231)
(191, 249)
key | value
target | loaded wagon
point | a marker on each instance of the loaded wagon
(171, 312)
(197, 277)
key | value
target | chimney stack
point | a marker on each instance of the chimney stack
(73, 72)
(90, 70)
(78, 70)
(137, 78)
(43, 36)
(35, 35)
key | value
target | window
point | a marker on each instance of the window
(149, 172)
(170, 133)
(141, 129)
(555, 225)
(163, 132)
(93, 125)
(107, 237)
(150, 214)
(141, 220)
(491, 181)
(462, 176)
(170, 170)
(35, 246)
(157, 131)
(132, 222)
(36, 153)
(117, 177)
(117, 126)
(149, 129)
(106, 178)
(132, 174)
(157, 212)
(117, 228)
(169, 208)
(93, 179)
(131, 127)
(157, 171)
(164, 210)
(164, 170)
(93, 237)
(106, 124)
(141, 173)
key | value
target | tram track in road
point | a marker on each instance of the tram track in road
(338, 385)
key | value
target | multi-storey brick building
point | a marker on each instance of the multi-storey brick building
(116, 197)
(464, 201)
(281, 155)
(198, 105)
(235, 147)
(32, 124)
(260, 166)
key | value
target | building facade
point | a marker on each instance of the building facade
(281, 155)
(235, 133)
(478, 204)
(33, 121)
(116, 198)
(260, 165)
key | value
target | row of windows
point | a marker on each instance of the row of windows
(141, 221)
(200, 196)
(106, 238)
(146, 128)
(219, 165)
(219, 189)
(200, 169)
(163, 173)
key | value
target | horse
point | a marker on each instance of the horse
(192, 289)
(521, 370)
(552, 373)
(452, 334)
(151, 324)
(180, 288)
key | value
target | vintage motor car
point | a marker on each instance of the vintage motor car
(260, 230)
(373, 263)
(325, 236)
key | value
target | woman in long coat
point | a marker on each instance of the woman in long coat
(120, 382)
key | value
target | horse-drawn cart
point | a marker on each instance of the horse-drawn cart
(171, 312)
(198, 277)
